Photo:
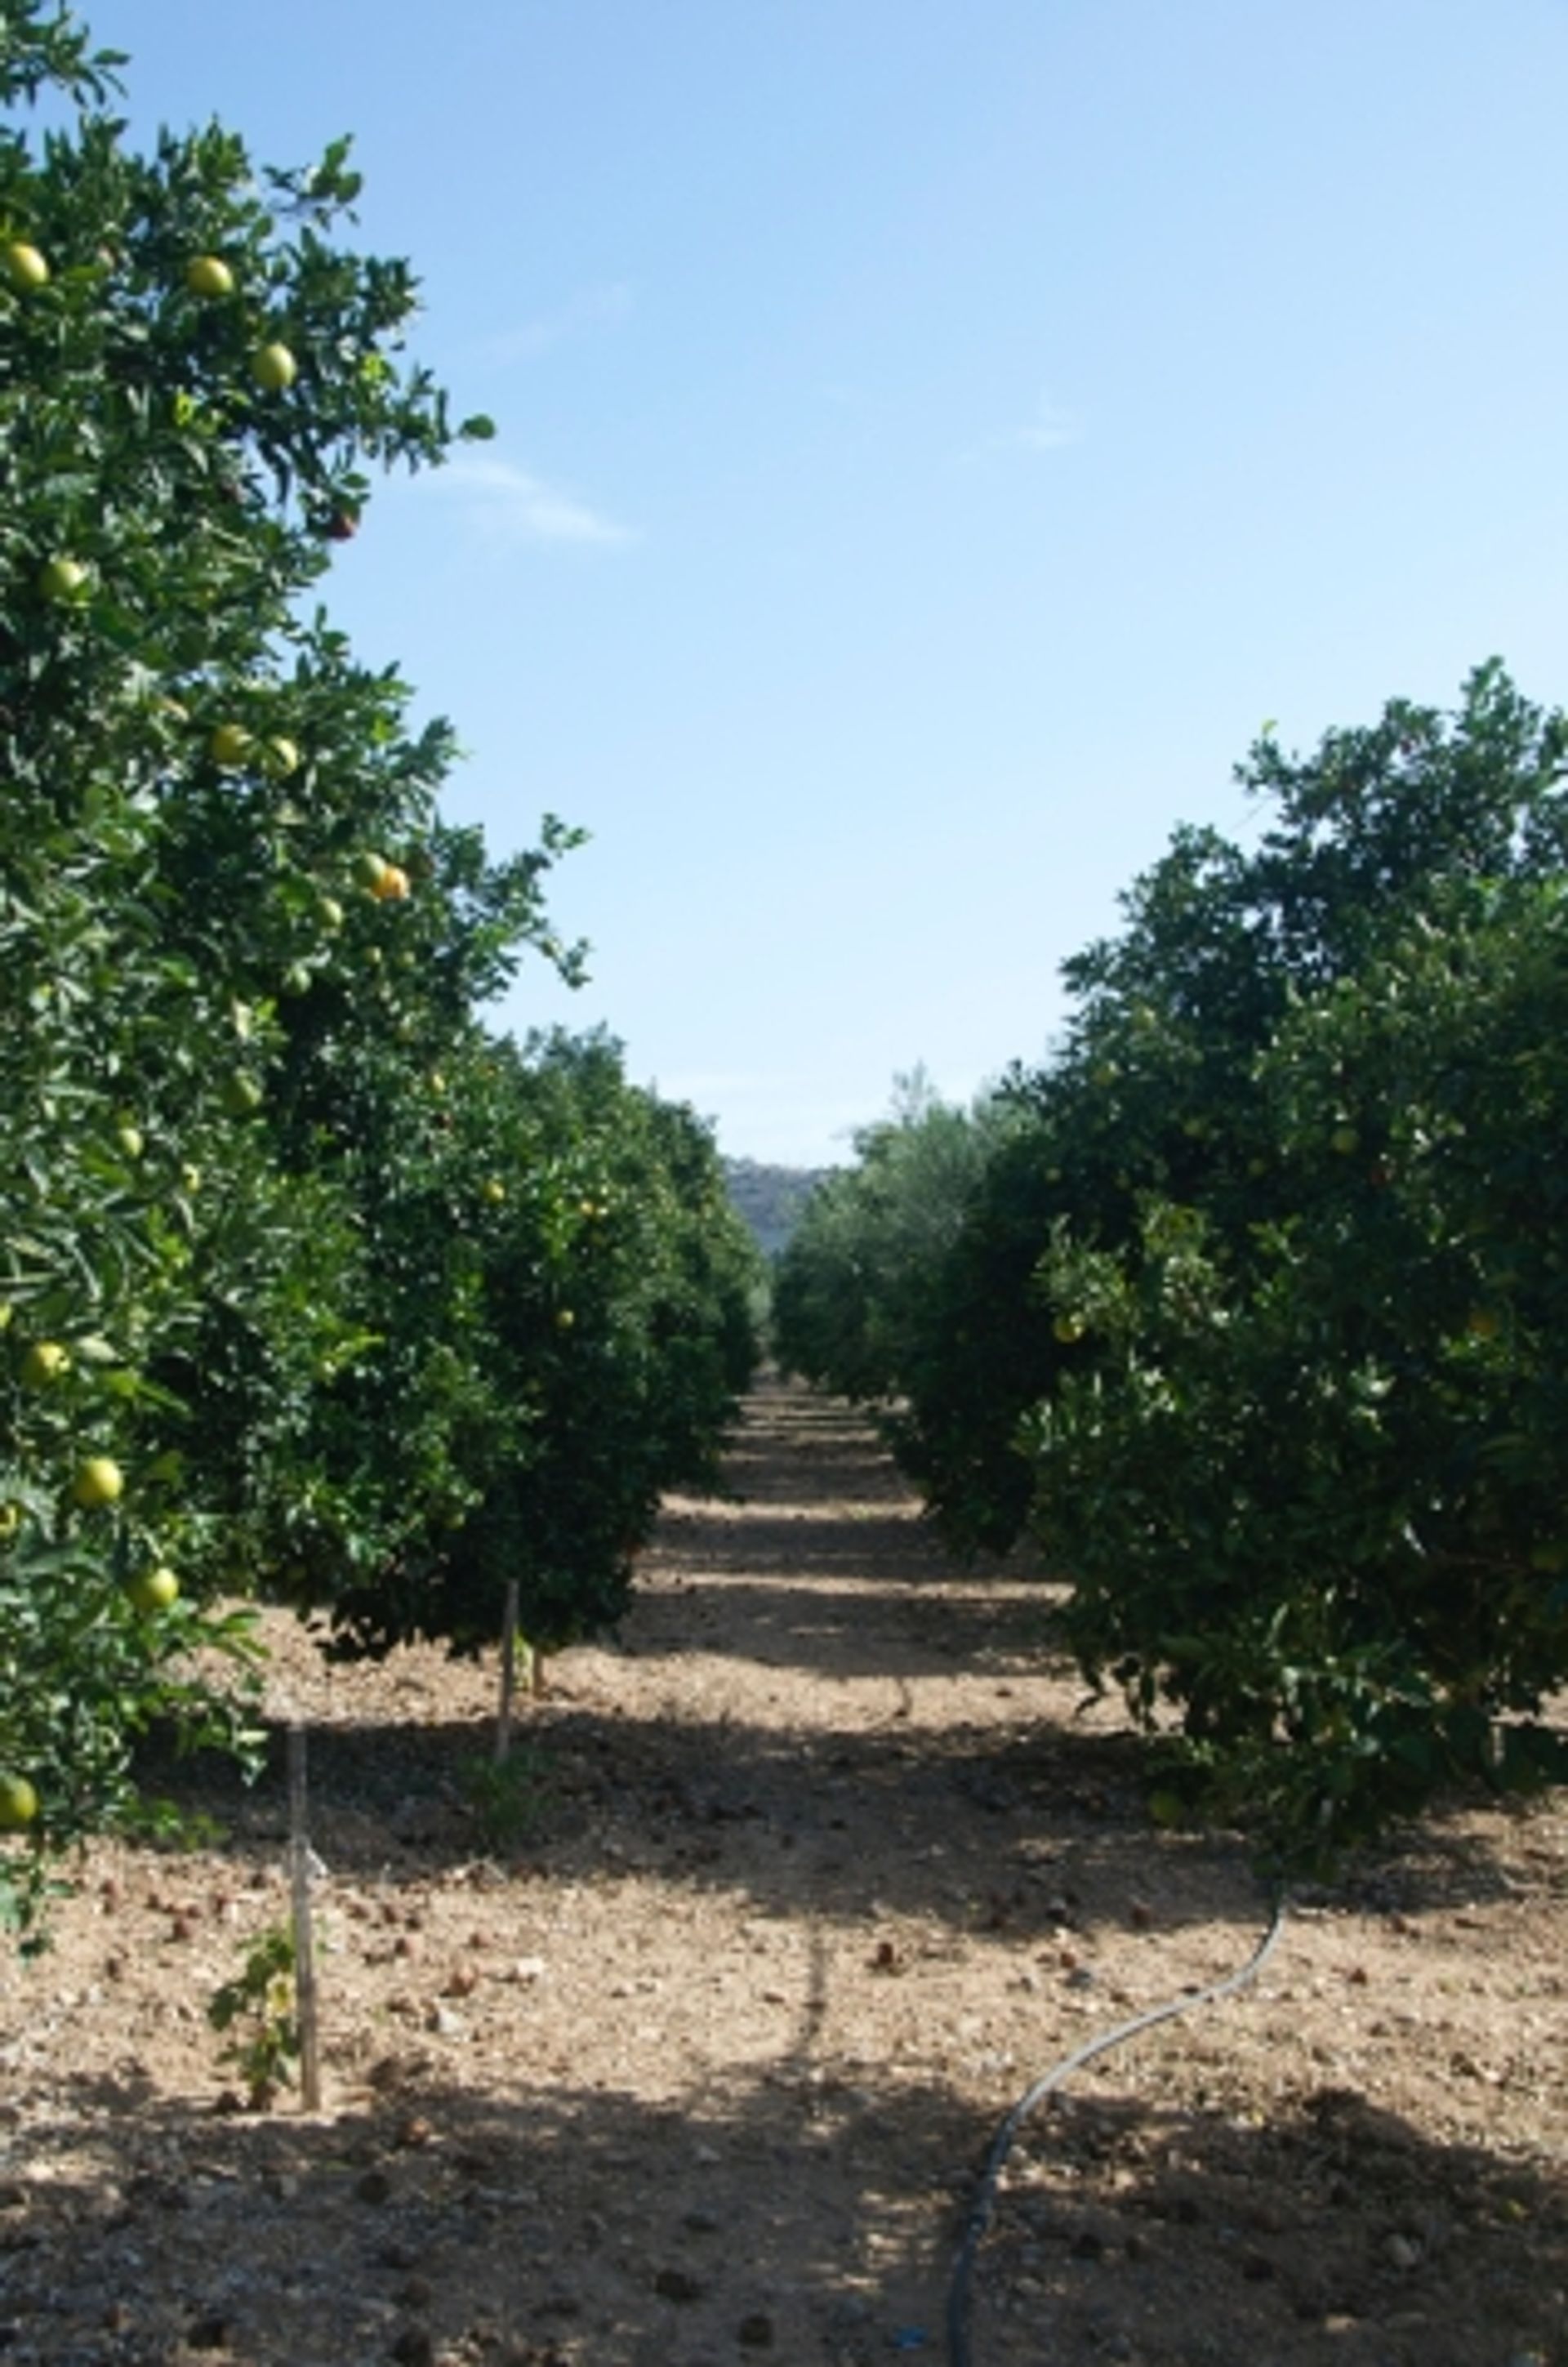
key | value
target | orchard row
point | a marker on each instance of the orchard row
(1250, 1310)
(309, 1286)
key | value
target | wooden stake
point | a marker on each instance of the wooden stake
(508, 1675)
(305, 1997)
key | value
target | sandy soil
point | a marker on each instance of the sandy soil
(816, 1870)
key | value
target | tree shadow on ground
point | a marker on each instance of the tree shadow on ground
(845, 1620)
(1007, 1837)
(544, 2223)
(1336, 2231)
(538, 2223)
(1016, 1842)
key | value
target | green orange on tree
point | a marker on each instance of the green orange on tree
(209, 275)
(62, 580)
(99, 1482)
(45, 1363)
(274, 367)
(154, 1590)
(25, 266)
(229, 746)
(18, 1803)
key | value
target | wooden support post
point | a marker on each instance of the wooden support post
(305, 1996)
(508, 1675)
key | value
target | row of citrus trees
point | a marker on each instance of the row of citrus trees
(1250, 1307)
(306, 1284)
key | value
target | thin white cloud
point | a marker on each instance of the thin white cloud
(1048, 431)
(587, 309)
(513, 503)
(1052, 428)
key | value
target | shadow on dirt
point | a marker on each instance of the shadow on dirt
(1014, 1840)
(1333, 2231)
(558, 2225)
(553, 2224)
(838, 1617)
(1030, 1844)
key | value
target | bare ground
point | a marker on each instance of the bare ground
(819, 1866)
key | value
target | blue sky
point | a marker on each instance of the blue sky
(933, 439)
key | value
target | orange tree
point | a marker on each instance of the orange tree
(1256, 1319)
(606, 1286)
(223, 890)
(850, 1288)
(1304, 1459)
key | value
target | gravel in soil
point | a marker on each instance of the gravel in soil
(683, 2044)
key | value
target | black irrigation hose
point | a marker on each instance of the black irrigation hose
(980, 2210)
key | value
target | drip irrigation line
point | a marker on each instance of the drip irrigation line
(980, 2210)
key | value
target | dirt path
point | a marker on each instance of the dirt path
(818, 1868)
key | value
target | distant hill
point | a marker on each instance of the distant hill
(771, 1198)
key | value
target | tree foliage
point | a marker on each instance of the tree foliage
(285, 1240)
(1255, 1319)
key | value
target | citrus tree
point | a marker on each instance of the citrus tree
(225, 898)
(849, 1303)
(1253, 1317)
(604, 1289)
